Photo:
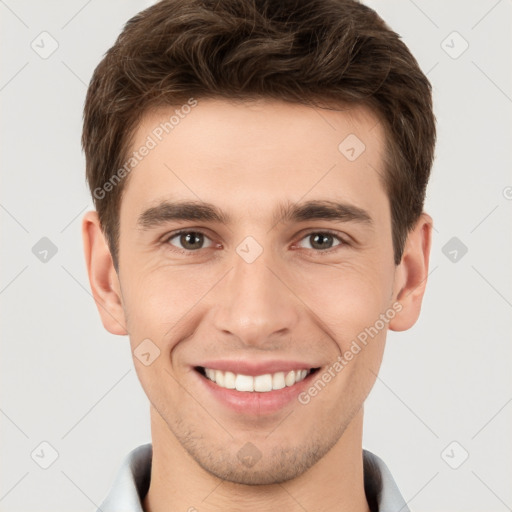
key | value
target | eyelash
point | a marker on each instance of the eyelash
(167, 239)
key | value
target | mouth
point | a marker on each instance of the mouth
(264, 383)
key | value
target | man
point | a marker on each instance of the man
(259, 170)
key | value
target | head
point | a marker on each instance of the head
(262, 130)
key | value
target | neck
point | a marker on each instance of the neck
(179, 483)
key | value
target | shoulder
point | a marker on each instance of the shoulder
(131, 483)
(381, 490)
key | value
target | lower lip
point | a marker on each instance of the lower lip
(256, 403)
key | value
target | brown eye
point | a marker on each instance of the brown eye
(321, 240)
(189, 240)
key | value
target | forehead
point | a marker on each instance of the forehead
(224, 150)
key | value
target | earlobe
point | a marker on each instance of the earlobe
(412, 273)
(102, 275)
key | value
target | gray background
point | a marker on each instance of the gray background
(68, 382)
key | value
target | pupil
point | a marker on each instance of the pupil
(319, 241)
(189, 239)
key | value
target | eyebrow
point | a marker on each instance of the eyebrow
(168, 211)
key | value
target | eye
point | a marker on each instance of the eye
(189, 240)
(322, 240)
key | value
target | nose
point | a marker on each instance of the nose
(255, 303)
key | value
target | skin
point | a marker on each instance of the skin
(295, 301)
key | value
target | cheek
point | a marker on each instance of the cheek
(160, 301)
(346, 299)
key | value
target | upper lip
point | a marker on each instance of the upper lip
(247, 367)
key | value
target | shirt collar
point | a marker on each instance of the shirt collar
(132, 483)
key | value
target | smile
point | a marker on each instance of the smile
(257, 383)
(254, 388)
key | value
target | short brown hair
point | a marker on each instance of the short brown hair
(316, 51)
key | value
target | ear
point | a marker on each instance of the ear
(103, 278)
(411, 274)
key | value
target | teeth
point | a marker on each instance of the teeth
(259, 383)
(219, 378)
(244, 383)
(263, 383)
(278, 380)
(290, 378)
(229, 380)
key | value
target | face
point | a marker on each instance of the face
(282, 263)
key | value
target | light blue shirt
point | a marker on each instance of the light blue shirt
(132, 483)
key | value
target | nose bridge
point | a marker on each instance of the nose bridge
(255, 305)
